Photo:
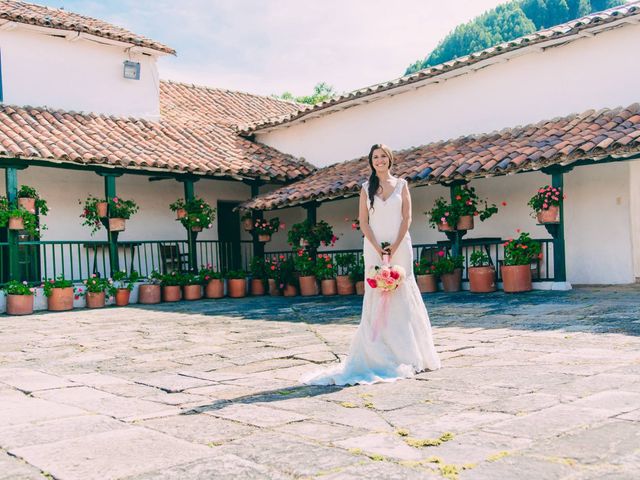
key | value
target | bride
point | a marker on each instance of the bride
(404, 344)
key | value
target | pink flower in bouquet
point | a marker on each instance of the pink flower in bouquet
(385, 274)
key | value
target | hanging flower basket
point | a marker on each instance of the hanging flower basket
(101, 209)
(195, 228)
(29, 199)
(16, 223)
(265, 228)
(465, 223)
(117, 224)
(197, 216)
(247, 222)
(546, 204)
(550, 215)
(29, 204)
(264, 238)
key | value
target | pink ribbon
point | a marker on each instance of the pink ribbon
(380, 321)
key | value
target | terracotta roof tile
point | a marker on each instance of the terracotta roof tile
(595, 20)
(194, 136)
(29, 13)
(592, 135)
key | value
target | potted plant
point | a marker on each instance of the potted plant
(305, 265)
(482, 275)
(345, 263)
(237, 283)
(171, 283)
(466, 204)
(19, 298)
(272, 270)
(119, 212)
(191, 286)
(357, 276)
(123, 283)
(18, 218)
(200, 215)
(449, 269)
(287, 277)
(309, 235)
(59, 293)
(247, 221)
(425, 272)
(443, 216)
(179, 207)
(29, 199)
(97, 289)
(265, 228)
(151, 292)
(93, 210)
(546, 204)
(213, 282)
(259, 275)
(516, 269)
(326, 272)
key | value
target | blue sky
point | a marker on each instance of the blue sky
(270, 46)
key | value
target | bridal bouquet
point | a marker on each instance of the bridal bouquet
(386, 277)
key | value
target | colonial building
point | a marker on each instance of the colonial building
(556, 106)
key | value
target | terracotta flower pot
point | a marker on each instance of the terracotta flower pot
(122, 297)
(427, 283)
(274, 288)
(452, 282)
(149, 294)
(465, 223)
(117, 224)
(516, 278)
(19, 304)
(192, 292)
(61, 299)
(445, 227)
(237, 287)
(482, 279)
(552, 215)
(16, 223)
(329, 287)
(345, 285)
(360, 287)
(247, 224)
(102, 207)
(196, 228)
(308, 286)
(180, 213)
(29, 204)
(257, 287)
(215, 288)
(290, 291)
(264, 238)
(171, 293)
(95, 299)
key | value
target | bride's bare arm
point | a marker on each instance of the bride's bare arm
(406, 218)
(363, 218)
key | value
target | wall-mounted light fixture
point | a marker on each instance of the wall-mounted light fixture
(131, 70)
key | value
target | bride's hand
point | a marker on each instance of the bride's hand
(392, 250)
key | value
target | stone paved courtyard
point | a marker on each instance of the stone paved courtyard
(543, 385)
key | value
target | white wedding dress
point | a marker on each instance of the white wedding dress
(404, 345)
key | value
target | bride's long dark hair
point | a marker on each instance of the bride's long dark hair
(374, 181)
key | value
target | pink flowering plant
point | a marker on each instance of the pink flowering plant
(522, 250)
(267, 227)
(119, 208)
(208, 273)
(97, 284)
(443, 213)
(199, 214)
(545, 198)
(448, 263)
(14, 287)
(58, 282)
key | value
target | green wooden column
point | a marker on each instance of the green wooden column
(192, 237)
(258, 247)
(11, 183)
(559, 259)
(312, 217)
(455, 237)
(112, 237)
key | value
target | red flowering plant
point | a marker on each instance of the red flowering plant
(448, 263)
(466, 203)
(545, 198)
(424, 267)
(267, 227)
(304, 263)
(442, 213)
(355, 223)
(199, 214)
(260, 268)
(90, 215)
(521, 251)
(324, 269)
(209, 273)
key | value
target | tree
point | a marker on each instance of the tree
(507, 22)
(321, 92)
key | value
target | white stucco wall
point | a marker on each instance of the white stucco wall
(46, 71)
(525, 89)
